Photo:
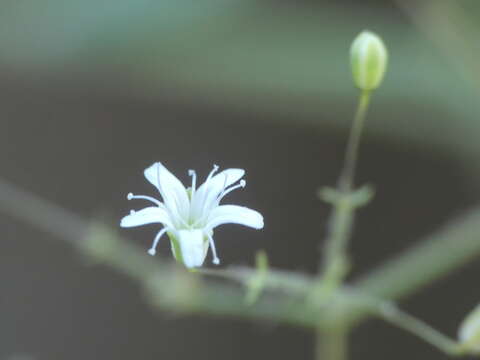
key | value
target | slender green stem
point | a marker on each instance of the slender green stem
(331, 344)
(450, 247)
(335, 260)
(347, 175)
(437, 255)
(395, 316)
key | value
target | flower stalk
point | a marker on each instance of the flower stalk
(332, 344)
(346, 200)
(347, 176)
(368, 57)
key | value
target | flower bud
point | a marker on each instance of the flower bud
(368, 57)
(469, 332)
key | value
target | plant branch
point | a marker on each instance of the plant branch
(393, 315)
(331, 345)
(168, 285)
(347, 176)
(171, 287)
(447, 249)
(345, 202)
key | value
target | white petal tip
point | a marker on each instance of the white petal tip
(129, 196)
(258, 224)
(152, 252)
(261, 224)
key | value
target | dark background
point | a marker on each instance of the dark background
(91, 93)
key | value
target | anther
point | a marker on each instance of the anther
(129, 196)
(193, 174)
(214, 170)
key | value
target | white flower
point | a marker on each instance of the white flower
(189, 215)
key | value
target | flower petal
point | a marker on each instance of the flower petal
(172, 190)
(225, 214)
(212, 188)
(193, 247)
(149, 215)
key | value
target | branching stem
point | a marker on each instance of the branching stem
(335, 261)
(393, 315)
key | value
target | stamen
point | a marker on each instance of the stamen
(207, 204)
(230, 189)
(215, 259)
(158, 178)
(130, 196)
(214, 170)
(193, 174)
(153, 250)
(224, 183)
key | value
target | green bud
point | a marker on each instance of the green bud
(469, 332)
(368, 57)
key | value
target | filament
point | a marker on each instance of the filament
(130, 196)
(215, 259)
(193, 174)
(230, 189)
(153, 250)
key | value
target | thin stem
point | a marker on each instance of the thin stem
(335, 260)
(347, 175)
(331, 344)
(102, 244)
(437, 255)
(395, 316)
(450, 247)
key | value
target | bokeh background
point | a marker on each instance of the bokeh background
(93, 91)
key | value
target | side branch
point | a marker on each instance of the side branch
(172, 288)
(168, 286)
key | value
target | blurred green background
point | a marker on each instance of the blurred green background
(92, 92)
